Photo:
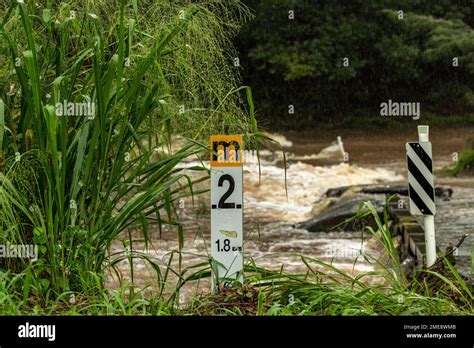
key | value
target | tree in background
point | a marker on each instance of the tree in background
(330, 58)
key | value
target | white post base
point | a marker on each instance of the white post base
(430, 241)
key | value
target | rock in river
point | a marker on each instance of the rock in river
(333, 217)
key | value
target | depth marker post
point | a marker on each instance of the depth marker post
(421, 188)
(226, 208)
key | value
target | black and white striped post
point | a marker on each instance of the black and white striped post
(421, 188)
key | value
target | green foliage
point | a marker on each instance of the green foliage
(103, 302)
(198, 72)
(465, 164)
(300, 61)
(79, 181)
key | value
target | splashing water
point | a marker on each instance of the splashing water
(266, 199)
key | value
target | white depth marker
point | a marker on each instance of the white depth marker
(226, 208)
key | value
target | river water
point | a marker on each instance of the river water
(314, 166)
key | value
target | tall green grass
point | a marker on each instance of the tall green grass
(198, 68)
(82, 186)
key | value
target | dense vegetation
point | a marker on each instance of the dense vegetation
(72, 184)
(406, 57)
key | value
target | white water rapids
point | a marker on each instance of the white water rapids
(306, 184)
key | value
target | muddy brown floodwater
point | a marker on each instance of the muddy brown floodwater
(269, 238)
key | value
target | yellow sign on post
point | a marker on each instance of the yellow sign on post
(226, 208)
(226, 151)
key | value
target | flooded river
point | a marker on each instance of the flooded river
(270, 211)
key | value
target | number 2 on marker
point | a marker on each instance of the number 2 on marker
(222, 202)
